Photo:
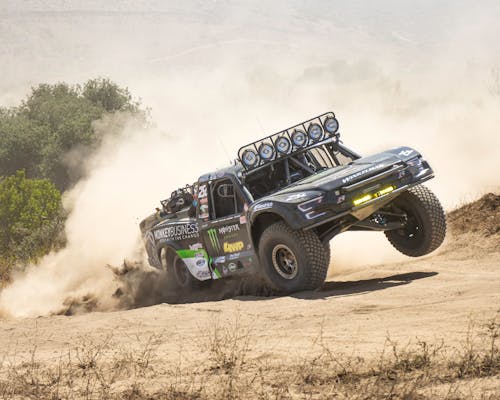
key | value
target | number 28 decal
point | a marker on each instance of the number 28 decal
(202, 191)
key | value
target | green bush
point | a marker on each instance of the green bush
(31, 216)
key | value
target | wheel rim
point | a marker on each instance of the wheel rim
(412, 231)
(181, 272)
(285, 262)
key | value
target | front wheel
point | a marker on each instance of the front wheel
(291, 260)
(425, 225)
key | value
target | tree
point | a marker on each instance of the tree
(109, 96)
(54, 123)
(30, 217)
(21, 141)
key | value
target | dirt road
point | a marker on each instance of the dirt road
(431, 299)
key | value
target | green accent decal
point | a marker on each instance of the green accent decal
(217, 273)
(187, 253)
(214, 239)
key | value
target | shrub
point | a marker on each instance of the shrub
(31, 218)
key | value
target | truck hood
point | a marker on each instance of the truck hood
(351, 173)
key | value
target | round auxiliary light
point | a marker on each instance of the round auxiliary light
(266, 151)
(283, 145)
(331, 125)
(315, 132)
(299, 138)
(250, 158)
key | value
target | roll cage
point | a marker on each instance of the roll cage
(283, 168)
(276, 161)
(275, 176)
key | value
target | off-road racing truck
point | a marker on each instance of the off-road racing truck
(273, 212)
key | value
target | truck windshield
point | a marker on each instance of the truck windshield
(278, 175)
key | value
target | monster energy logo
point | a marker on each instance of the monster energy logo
(214, 239)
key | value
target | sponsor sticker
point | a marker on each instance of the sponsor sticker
(229, 229)
(263, 206)
(201, 262)
(204, 211)
(195, 246)
(233, 247)
(196, 262)
(361, 173)
(405, 153)
(177, 232)
(296, 196)
(214, 239)
(232, 267)
(219, 260)
(203, 274)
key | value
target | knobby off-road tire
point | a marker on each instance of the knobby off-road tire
(290, 260)
(328, 252)
(426, 223)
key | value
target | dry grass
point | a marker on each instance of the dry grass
(229, 368)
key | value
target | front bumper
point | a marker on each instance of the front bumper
(339, 203)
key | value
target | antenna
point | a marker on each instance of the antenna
(260, 124)
(224, 148)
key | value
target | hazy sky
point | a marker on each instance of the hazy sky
(396, 72)
(132, 40)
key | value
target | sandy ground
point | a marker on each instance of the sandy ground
(430, 299)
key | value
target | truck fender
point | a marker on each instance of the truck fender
(260, 221)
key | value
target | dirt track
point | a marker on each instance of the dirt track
(446, 300)
(428, 299)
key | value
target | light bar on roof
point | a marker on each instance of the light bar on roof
(266, 151)
(286, 143)
(283, 145)
(315, 132)
(299, 139)
(331, 125)
(249, 158)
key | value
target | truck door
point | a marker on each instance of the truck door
(222, 214)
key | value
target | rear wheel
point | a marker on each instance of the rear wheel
(425, 226)
(178, 273)
(291, 260)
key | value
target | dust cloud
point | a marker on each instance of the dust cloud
(101, 228)
(217, 75)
